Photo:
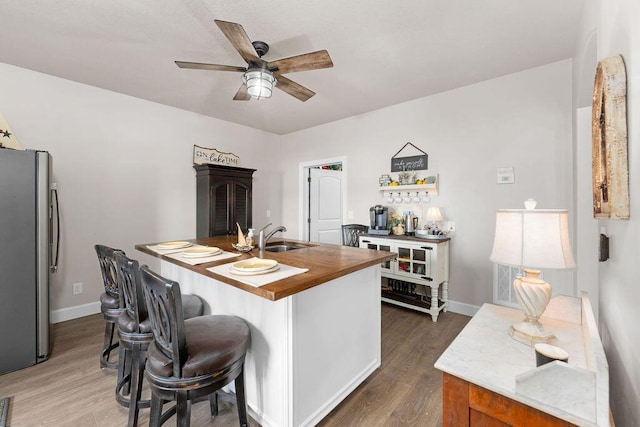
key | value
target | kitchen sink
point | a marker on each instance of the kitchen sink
(283, 248)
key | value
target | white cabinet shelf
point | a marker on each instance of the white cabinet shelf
(420, 264)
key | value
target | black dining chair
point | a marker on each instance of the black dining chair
(350, 233)
(111, 304)
(134, 329)
(190, 359)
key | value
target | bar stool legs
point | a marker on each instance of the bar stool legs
(110, 320)
(133, 355)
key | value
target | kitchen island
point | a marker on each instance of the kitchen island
(315, 336)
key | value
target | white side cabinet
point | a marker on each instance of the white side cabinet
(419, 277)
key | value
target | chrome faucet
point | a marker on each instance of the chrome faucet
(263, 239)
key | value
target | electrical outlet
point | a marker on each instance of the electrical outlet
(349, 214)
(268, 214)
(452, 227)
(76, 288)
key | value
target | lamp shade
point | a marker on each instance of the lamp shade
(534, 238)
(259, 82)
(434, 214)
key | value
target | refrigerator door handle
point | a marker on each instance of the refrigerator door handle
(54, 263)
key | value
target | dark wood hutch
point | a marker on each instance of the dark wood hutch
(223, 196)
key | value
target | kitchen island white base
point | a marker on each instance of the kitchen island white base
(309, 350)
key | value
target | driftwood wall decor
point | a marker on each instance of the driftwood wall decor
(610, 169)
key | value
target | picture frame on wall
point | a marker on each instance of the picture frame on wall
(609, 163)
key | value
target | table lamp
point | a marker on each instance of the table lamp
(433, 215)
(528, 239)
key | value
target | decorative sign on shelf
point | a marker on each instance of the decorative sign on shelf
(384, 180)
(202, 155)
(409, 163)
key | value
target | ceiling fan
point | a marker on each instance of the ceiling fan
(259, 75)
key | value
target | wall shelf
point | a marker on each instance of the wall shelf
(431, 188)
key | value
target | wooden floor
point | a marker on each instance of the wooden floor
(70, 389)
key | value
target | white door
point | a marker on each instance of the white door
(325, 206)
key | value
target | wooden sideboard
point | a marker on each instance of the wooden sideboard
(467, 404)
(490, 379)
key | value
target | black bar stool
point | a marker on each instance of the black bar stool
(134, 328)
(110, 303)
(135, 336)
(193, 358)
(350, 233)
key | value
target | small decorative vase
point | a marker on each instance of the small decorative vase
(398, 230)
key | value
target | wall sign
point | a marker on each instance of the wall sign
(202, 155)
(409, 163)
(7, 137)
(609, 163)
(505, 176)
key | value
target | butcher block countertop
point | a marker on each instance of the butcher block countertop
(325, 263)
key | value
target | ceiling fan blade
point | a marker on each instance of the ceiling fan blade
(242, 94)
(304, 62)
(239, 39)
(215, 67)
(294, 89)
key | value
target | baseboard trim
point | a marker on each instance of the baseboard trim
(342, 394)
(462, 308)
(70, 313)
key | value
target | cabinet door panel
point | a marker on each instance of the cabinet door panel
(478, 419)
(379, 246)
(413, 260)
(242, 202)
(220, 210)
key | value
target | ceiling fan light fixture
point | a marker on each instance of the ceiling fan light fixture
(259, 82)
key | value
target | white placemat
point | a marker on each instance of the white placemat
(196, 261)
(261, 279)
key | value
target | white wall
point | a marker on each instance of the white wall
(123, 168)
(619, 291)
(521, 120)
(586, 253)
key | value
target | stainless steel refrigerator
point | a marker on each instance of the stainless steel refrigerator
(29, 243)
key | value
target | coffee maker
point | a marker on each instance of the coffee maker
(378, 216)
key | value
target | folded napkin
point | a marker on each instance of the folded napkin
(261, 279)
(202, 260)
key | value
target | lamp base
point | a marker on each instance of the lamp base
(530, 332)
(533, 294)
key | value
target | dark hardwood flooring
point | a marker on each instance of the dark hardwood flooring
(70, 389)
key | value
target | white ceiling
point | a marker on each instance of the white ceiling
(385, 52)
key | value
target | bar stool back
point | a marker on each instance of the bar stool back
(135, 333)
(110, 303)
(190, 358)
(350, 233)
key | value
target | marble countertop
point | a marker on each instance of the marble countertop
(484, 354)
